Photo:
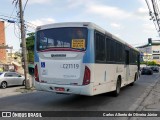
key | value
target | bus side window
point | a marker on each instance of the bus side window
(100, 47)
(108, 49)
(126, 57)
(113, 50)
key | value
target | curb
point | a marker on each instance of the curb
(24, 90)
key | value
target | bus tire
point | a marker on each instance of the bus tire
(135, 78)
(118, 88)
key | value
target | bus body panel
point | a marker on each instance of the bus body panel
(106, 75)
(61, 70)
(68, 89)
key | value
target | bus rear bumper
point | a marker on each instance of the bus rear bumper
(68, 89)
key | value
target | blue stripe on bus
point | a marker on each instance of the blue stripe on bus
(89, 55)
(36, 57)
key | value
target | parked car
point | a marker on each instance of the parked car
(146, 71)
(155, 68)
(11, 78)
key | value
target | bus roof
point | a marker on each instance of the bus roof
(83, 24)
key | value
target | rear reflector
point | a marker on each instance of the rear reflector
(87, 74)
(36, 73)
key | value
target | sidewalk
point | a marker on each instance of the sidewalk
(11, 91)
(151, 102)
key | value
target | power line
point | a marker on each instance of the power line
(150, 13)
(9, 23)
(15, 32)
(25, 5)
(157, 6)
(155, 14)
(148, 6)
(16, 18)
(155, 25)
(8, 17)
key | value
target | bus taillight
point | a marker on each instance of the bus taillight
(36, 73)
(87, 74)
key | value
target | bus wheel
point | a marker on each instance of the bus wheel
(118, 88)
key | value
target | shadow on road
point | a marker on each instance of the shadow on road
(80, 102)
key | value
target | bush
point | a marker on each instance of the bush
(149, 63)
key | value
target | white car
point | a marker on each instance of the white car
(11, 78)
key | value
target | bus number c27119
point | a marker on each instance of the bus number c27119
(70, 66)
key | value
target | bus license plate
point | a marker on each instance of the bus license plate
(70, 66)
(59, 89)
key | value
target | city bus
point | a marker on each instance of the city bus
(82, 58)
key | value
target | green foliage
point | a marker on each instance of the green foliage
(18, 54)
(30, 47)
(30, 41)
(30, 56)
(149, 63)
(152, 63)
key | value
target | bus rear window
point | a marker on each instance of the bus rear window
(67, 37)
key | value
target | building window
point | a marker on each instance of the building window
(155, 57)
(154, 51)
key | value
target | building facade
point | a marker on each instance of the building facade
(150, 53)
(2, 43)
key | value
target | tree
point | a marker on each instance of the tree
(30, 41)
(18, 54)
(30, 47)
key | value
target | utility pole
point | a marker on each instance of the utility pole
(24, 52)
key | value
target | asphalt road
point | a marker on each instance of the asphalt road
(46, 101)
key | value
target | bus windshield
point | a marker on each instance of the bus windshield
(66, 37)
